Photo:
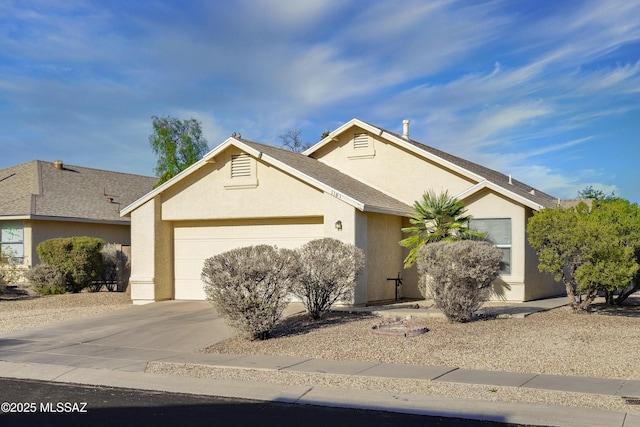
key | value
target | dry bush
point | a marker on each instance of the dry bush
(458, 275)
(46, 279)
(330, 269)
(249, 286)
(9, 271)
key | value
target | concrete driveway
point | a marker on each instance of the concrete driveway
(122, 340)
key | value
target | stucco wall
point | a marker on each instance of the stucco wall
(353, 231)
(384, 255)
(209, 194)
(151, 254)
(484, 205)
(39, 231)
(391, 169)
(410, 287)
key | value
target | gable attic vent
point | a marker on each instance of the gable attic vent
(240, 165)
(360, 141)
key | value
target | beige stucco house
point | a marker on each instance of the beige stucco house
(42, 200)
(357, 185)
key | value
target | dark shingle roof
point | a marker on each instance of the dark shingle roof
(38, 189)
(500, 179)
(333, 178)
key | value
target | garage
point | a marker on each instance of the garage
(195, 241)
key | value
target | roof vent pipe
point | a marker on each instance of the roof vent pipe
(405, 129)
(58, 164)
(510, 181)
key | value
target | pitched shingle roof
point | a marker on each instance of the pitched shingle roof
(38, 189)
(500, 179)
(333, 178)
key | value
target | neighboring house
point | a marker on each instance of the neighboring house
(357, 185)
(42, 200)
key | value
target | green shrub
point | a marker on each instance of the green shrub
(249, 286)
(330, 270)
(78, 258)
(46, 279)
(458, 275)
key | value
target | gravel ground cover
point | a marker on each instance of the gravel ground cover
(18, 313)
(557, 342)
(602, 344)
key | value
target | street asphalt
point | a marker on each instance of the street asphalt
(47, 404)
(113, 350)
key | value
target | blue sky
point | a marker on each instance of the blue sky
(547, 91)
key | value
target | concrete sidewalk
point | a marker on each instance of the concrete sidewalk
(109, 350)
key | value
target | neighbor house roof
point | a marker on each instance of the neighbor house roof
(39, 190)
(483, 176)
(307, 169)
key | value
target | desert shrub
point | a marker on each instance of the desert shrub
(458, 275)
(78, 258)
(9, 270)
(46, 279)
(249, 286)
(4, 276)
(330, 269)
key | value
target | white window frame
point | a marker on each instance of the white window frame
(12, 236)
(500, 245)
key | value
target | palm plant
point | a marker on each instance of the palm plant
(436, 218)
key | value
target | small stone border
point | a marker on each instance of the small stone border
(398, 328)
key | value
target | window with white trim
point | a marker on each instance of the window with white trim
(498, 232)
(12, 240)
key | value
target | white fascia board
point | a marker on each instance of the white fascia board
(64, 219)
(397, 140)
(500, 190)
(341, 129)
(207, 158)
(14, 217)
(82, 220)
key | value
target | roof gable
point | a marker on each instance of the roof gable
(496, 181)
(307, 169)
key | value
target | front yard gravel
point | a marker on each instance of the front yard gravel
(17, 314)
(556, 342)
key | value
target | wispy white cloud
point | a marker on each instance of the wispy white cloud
(508, 84)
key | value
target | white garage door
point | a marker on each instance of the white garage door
(195, 243)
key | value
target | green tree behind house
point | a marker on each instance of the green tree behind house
(177, 143)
